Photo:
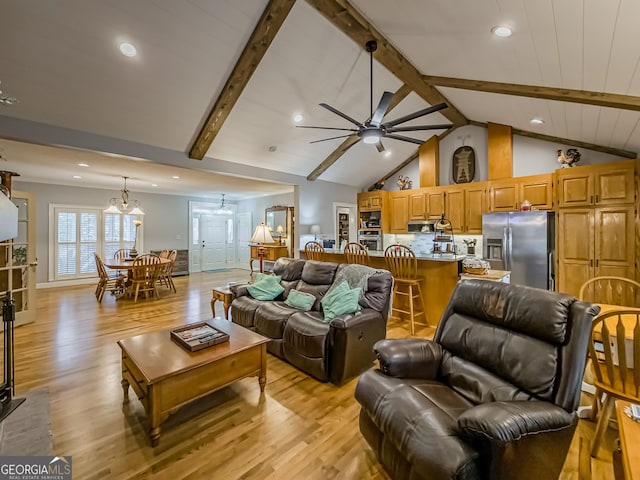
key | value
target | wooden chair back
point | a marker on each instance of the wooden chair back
(615, 353)
(314, 251)
(145, 268)
(121, 254)
(164, 253)
(401, 262)
(356, 253)
(102, 270)
(611, 290)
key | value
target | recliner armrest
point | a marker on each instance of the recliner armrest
(510, 421)
(352, 320)
(409, 358)
(239, 290)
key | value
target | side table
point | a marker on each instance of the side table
(224, 295)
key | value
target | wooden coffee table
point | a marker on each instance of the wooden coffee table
(165, 376)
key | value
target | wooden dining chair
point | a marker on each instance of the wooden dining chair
(165, 277)
(314, 251)
(356, 253)
(113, 283)
(403, 265)
(611, 290)
(121, 254)
(164, 253)
(144, 274)
(614, 349)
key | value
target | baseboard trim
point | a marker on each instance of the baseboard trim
(67, 283)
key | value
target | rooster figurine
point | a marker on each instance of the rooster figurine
(568, 160)
(404, 183)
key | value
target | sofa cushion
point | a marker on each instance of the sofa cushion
(243, 310)
(316, 279)
(340, 300)
(304, 343)
(419, 417)
(270, 318)
(266, 288)
(300, 300)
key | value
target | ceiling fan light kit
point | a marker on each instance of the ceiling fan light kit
(373, 130)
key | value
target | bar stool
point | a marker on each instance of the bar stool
(356, 253)
(402, 263)
(314, 251)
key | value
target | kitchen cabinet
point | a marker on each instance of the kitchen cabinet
(507, 195)
(604, 184)
(435, 202)
(398, 211)
(417, 205)
(464, 206)
(370, 200)
(593, 242)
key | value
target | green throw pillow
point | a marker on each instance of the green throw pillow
(302, 300)
(267, 288)
(262, 276)
(340, 300)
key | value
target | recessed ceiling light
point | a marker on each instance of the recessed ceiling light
(77, 176)
(128, 50)
(297, 118)
(387, 153)
(83, 165)
(154, 184)
(502, 31)
(536, 121)
(176, 177)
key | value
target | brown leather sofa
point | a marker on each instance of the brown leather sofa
(493, 396)
(329, 351)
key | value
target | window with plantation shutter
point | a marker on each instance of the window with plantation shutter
(79, 232)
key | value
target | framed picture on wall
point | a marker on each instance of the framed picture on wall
(464, 164)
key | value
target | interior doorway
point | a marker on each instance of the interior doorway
(345, 223)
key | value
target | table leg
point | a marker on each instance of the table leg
(213, 302)
(154, 436)
(262, 379)
(125, 388)
(251, 265)
(227, 305)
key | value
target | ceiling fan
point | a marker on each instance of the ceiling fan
(373, 130)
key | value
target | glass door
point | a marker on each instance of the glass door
(18, 261)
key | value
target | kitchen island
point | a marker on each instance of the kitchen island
(439, 275)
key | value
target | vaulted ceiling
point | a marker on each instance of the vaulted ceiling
(60, 58)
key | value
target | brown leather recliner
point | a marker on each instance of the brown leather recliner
(493, 396)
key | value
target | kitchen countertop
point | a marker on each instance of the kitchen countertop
(490, 275)
(434, 258)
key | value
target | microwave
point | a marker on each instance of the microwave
(423, 226)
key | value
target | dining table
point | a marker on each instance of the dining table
(128, 265)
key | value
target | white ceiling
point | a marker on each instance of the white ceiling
(60, 58)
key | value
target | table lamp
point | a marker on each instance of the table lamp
(280, 232)
(315, 231)
(261, 236)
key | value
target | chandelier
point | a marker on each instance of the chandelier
(124, 203)
(222, 210)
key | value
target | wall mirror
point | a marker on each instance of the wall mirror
(279, 220)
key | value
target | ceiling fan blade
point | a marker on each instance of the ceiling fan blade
(332, 138)
(343, 115)
(405, 139)
(330, 128)
(383, 106)
(419, 127)
(419, 113)
(380, 147)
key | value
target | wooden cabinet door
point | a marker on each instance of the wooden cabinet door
(375, 202)
(575, 187)
(398, 213)
(417, 206)
(575, 249)
(435, 203)
(537, 189)
(503, 196)
(454, 209)
(614, 186)
(475, 206)
(615, 241)
(364, 203)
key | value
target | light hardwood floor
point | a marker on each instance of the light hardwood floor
(299, 429)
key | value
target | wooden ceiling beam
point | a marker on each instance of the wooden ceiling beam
(347, 19)
(351, 140)
(612, 100)
(567, 141)
(263, 34)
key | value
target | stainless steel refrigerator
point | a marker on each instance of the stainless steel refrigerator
(523, 243)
